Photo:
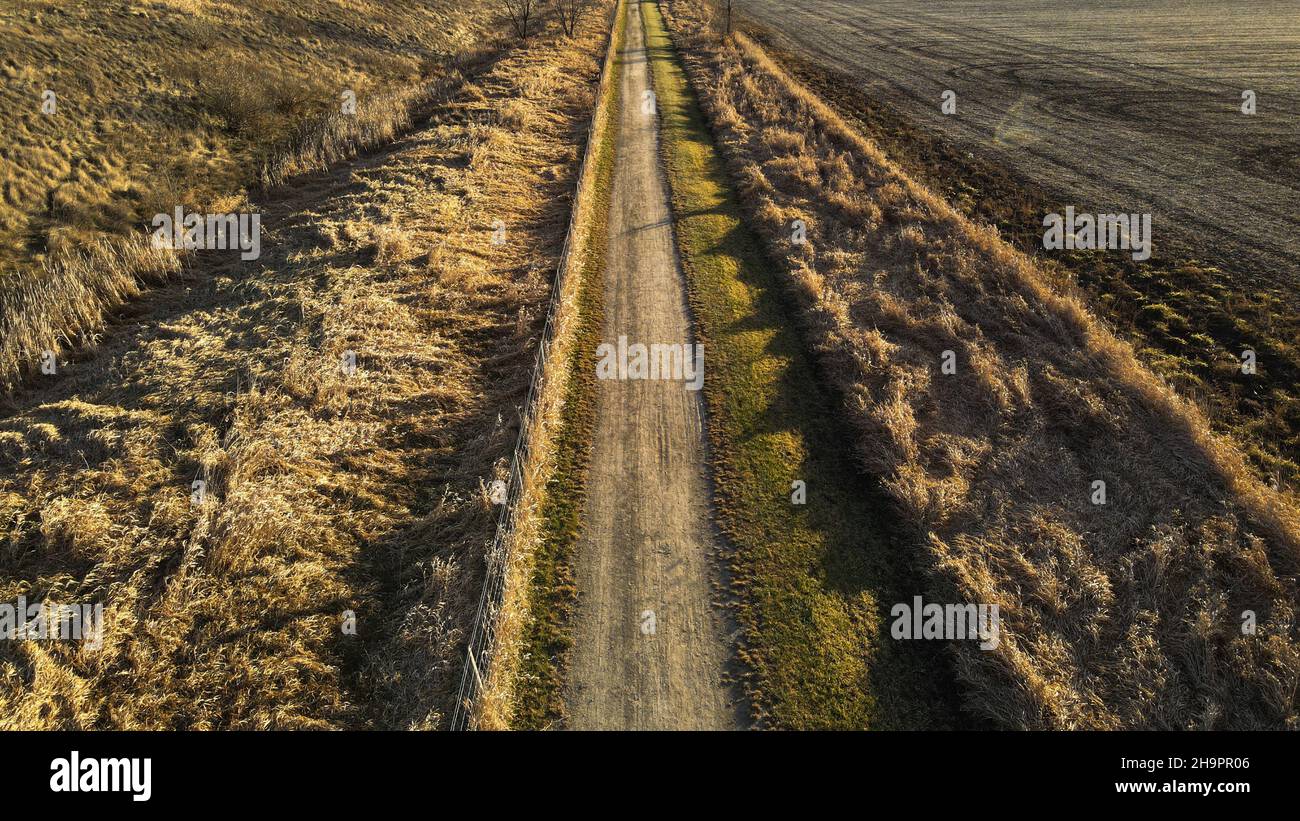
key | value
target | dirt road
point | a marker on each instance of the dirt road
(649, 647)
(1117, 108)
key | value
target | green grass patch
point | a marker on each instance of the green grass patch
(812, 583)
(547, 634)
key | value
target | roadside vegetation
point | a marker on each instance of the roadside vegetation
(810, 581)
(1128, 610)
(525, 690)
(1189, 319)
(332, 498)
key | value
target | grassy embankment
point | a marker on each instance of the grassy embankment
(1189, 319)
(114, 112)
(812, 582)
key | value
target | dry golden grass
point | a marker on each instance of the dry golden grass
(326, 491)
(1127, 614)
(70, 297)
(160, 104)
(196, 90)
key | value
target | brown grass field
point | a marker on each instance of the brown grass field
(1126, 614)
(326, 491)
(181, 102)
(160, 99)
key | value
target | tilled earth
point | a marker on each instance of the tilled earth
(1121, 110)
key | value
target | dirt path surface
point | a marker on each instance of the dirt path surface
(1116, 109)
(644, 556)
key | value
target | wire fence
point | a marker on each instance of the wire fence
(482, 639)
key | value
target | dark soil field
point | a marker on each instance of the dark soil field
(1130, 106)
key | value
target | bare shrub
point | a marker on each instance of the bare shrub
(722, 16)
(522, 14)
(248, 100)
(570, 12)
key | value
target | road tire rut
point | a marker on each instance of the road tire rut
(649, 644)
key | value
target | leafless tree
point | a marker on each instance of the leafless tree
(522, 12)
(570, 11)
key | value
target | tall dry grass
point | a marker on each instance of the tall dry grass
(378, 119)
(187, 104)
(326, 491)
(69, 296)
(200, 88)
(56, 304)
(1127, 614)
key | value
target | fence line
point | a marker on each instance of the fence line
(482, 638)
